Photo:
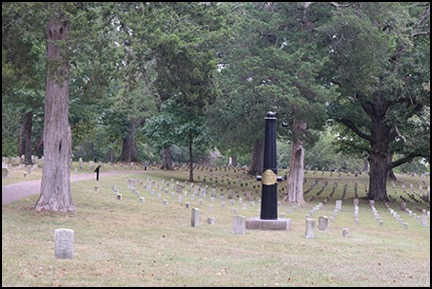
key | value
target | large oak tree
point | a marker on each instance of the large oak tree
(380, 56)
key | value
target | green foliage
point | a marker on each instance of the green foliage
(380, 70)
(130, 60)
(322, 155)
(174, 125)
(273, 63)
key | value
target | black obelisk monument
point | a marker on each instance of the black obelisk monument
(269, 177)
(269, 199)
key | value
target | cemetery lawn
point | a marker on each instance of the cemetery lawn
(152, 244)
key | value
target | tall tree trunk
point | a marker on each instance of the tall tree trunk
(377, 177)
(166, 159)
(111, 155)
(164, 94)
(21, 140)
(257, 162)
(379, 155)
(191, 179)
(294, 192)
(129, 151)
(233, 161)
(28, 137)
(55, 187)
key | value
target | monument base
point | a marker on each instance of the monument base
(261, 224)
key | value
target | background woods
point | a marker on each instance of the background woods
(192, 82)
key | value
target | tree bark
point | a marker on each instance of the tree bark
(166, 159)
(379, 155)
(28, 138)
(55, 186)
(129, 151)
(257, 163)
(21, 140)
(191, 179)
(233, 162)
(377, 177)
(294, 192)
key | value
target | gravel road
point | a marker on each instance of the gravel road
(17, 191)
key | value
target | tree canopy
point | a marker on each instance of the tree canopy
(202, 75)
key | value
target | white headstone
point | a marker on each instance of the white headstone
(195, 217)
(63, 243)
(323, 223)
(210, 220)
(239, 226)
(310, 229)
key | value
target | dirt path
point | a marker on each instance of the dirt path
(17, 191)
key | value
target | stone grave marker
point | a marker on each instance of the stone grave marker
(239, 227)
(63, 243)
(195, 217)
(338, 205)
(323, 223)
(5, 172)
(345, 232)
(210, 220)
(356, 202)
(310, 229)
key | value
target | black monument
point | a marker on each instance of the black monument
(97, 172)
(269, 198)
(269, 177)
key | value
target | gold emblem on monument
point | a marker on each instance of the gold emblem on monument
(269, 178)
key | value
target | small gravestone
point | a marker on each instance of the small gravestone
(356, 202)
(423, 220)
(5, 172)
(323, 223)
(195, 217)
(142, 199)
(345, 232)
(239, 226)
(119, 196)
(64, 243)
(210, 220)
(131, 183)
(338, 205)
(310, 229)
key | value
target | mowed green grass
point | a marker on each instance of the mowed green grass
(130, 243)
